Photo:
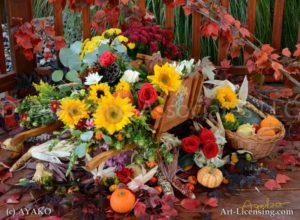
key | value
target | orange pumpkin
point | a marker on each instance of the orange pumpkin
(210, 177)
(270, 122)
(157, 112)
(122, 201)
(124, 94)
(266, 132)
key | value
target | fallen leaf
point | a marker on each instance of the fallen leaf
(289, 159)
(139, 209)
(4, 175)
(225, 64)
(272, 184)
(190, 204)
(281, 178)
(212, 202)
(13, 199)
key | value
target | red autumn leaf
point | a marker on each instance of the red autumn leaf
(225, 64)
(190, 204)
(28, 54)
(289, 159)
(237, 24)
(286, 52)
(272, 184)
(124, 1)
(276, 65)
(244, 32)
(4, 175)
(211, 30)
(101, 3)
(281, 178)
(228, 18)
(267, 48)
(13, 199)
(49, 30)
(261, 59)
(212, 202)
(59, 42)
(277, 75)
(297, 51)
(48, 55)
(250, 66)
(235, 52)
(139, 209)
(275, 56)
(187, 10)
(179, 2)
(38, 48)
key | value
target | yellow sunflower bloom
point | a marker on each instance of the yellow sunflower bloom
(72, 111)
(123, 86)
(166, 77)
(113, 113)
(97, 91)
(227, 97)
(229, 117)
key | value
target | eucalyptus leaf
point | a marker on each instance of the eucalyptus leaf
(90, 58)
(57, 75)
(87, 136)
(74, 62)
(64, 55)
(80, 150)
(102, 48)
(72, 76)
(76, 47)
(107, 139)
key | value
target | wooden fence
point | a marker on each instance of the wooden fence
(23, 9)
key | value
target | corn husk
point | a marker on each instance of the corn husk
(142, 179)
(40, 172)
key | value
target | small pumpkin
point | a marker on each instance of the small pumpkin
(157, 112)
(270, 122)
(124, 94)
(266, 132)
(210, 177)
(122, 201)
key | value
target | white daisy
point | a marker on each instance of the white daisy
(92, 78)
(131, 76)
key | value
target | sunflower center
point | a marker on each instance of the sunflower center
(165, 78)
(113, 114)
(100, 93)
(227, 98)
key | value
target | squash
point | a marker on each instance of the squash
(210, 177)
(270, 122)
(246, 116)
(266, 132)
(122, 201)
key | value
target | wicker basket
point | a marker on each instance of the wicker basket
(259, 146)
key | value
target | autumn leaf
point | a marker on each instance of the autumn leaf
(212, 202)
(244, 32)
(286, 52)
(267, 48)
(250, 66)
(187, 10)
(13, 199)
(289, 159)
(139, 209)
(179, 2)
(5, 175)
(281, 178)
(124, 1)
(211, 30)
(59, 42)
(225, 64)
(190, 204)
(297, 51)
(262, 58)
(272, 184)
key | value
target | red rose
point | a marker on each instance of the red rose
(54, 105)
(147, 96)
(124, 175)
(190, 144)
(107, 58)
(206, 135)
(210, 149)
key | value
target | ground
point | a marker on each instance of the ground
(285, 199)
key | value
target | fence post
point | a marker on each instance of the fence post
(277, 23)
(196, 33)
(169, 13)
(142, 6)
(86, 22)
(19, 10)
(2, 52)
(222, 50)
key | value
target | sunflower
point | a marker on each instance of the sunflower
(166, 78)
(123, 86)
(227, 97)
(72, 111)
(97, 91)
(229, 117)
(113, 113)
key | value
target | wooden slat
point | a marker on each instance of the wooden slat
(2, 52)
(299, 34)
(169, 13)
(7, 81)
(86, 22)
(196, 29)
(58, 18)
(19, 11)
(251, 15)
(277, 23)
(222, 50)
(142, 6)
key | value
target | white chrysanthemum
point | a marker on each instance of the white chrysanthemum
(92, 79)
(131, 76)
(184, 67)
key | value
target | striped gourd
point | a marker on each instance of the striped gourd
(210, 177)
